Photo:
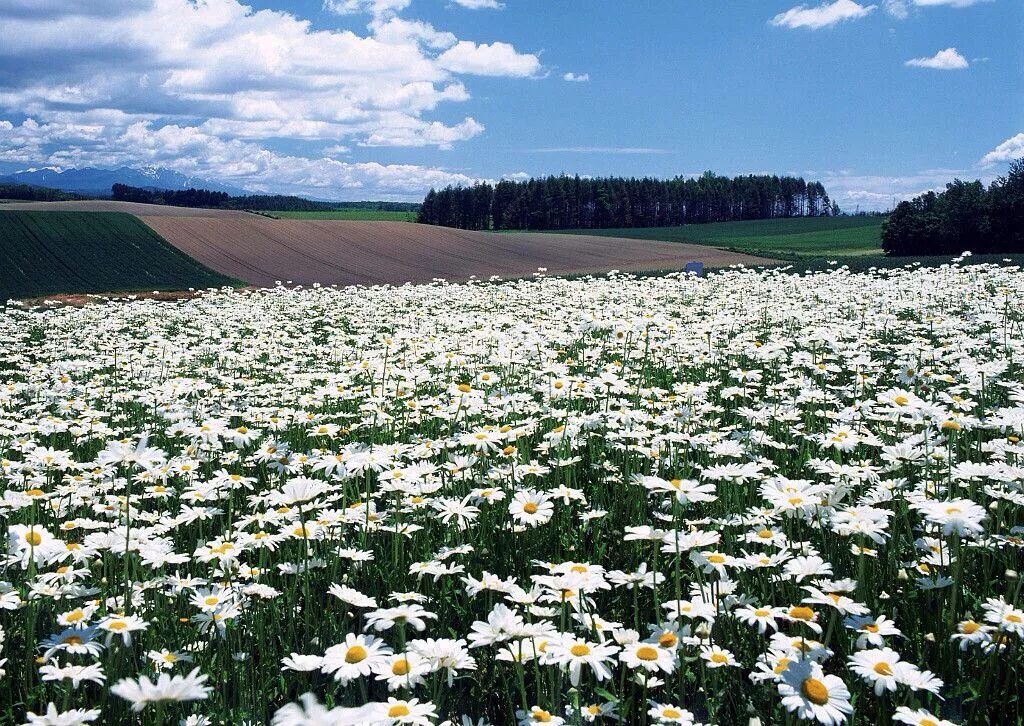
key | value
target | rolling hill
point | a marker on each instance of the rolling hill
(43, 253)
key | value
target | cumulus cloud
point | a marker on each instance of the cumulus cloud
(821, 16)
(494, 59)
(945, 60)
(876, 192)
(576, 77)
(194, 152)
(1012, 148)
(219, 69)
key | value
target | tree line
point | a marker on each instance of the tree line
(964, 217)
(30, 193)
(574, 202)
(223, 200)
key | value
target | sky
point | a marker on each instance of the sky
(382, 99)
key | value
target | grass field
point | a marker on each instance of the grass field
(367, 215)
(43, 253)
(787, 238)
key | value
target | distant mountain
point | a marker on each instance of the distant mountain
(97, 182)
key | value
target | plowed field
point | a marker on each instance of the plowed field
(262, 251)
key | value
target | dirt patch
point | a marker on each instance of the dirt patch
(264, 251)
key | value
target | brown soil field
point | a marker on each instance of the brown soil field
(262, 251)
(103, 205)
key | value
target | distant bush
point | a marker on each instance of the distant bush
(966, 216)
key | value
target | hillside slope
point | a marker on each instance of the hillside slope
(44, 253)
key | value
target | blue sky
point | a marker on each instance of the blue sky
(357, 99)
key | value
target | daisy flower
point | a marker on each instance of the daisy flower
(648, 656)
(811, 694)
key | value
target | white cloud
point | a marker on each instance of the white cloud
(374, 7)
(494, 59)
(479, 4)
(821, 16)
(896, 8)
(1012, 148)
(945, 60)
(878, 192)
(219, 69)
(900, 9)
(221, 82)
(576, 77)
(194, 152)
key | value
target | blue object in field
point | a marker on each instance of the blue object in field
(694, 268)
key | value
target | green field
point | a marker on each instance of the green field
(43, 253)
(370, 215)
(801, 237)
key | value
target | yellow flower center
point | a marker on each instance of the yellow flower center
(801, 612)
(814, 691)
(117, 625)
(970, 627)
(646, 652)
(670, 713)
(400, 667)
(883, 669)
(667, 640)
(540, 716)
(762, 613)
(579, 650)
(355, 654)
(399, 709)
(719, 658)
(530, 508)
(72, 640)
(33, 538)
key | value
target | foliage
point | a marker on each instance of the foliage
(32, 193)
(43, 253)
(563, 202)
(965, 217)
